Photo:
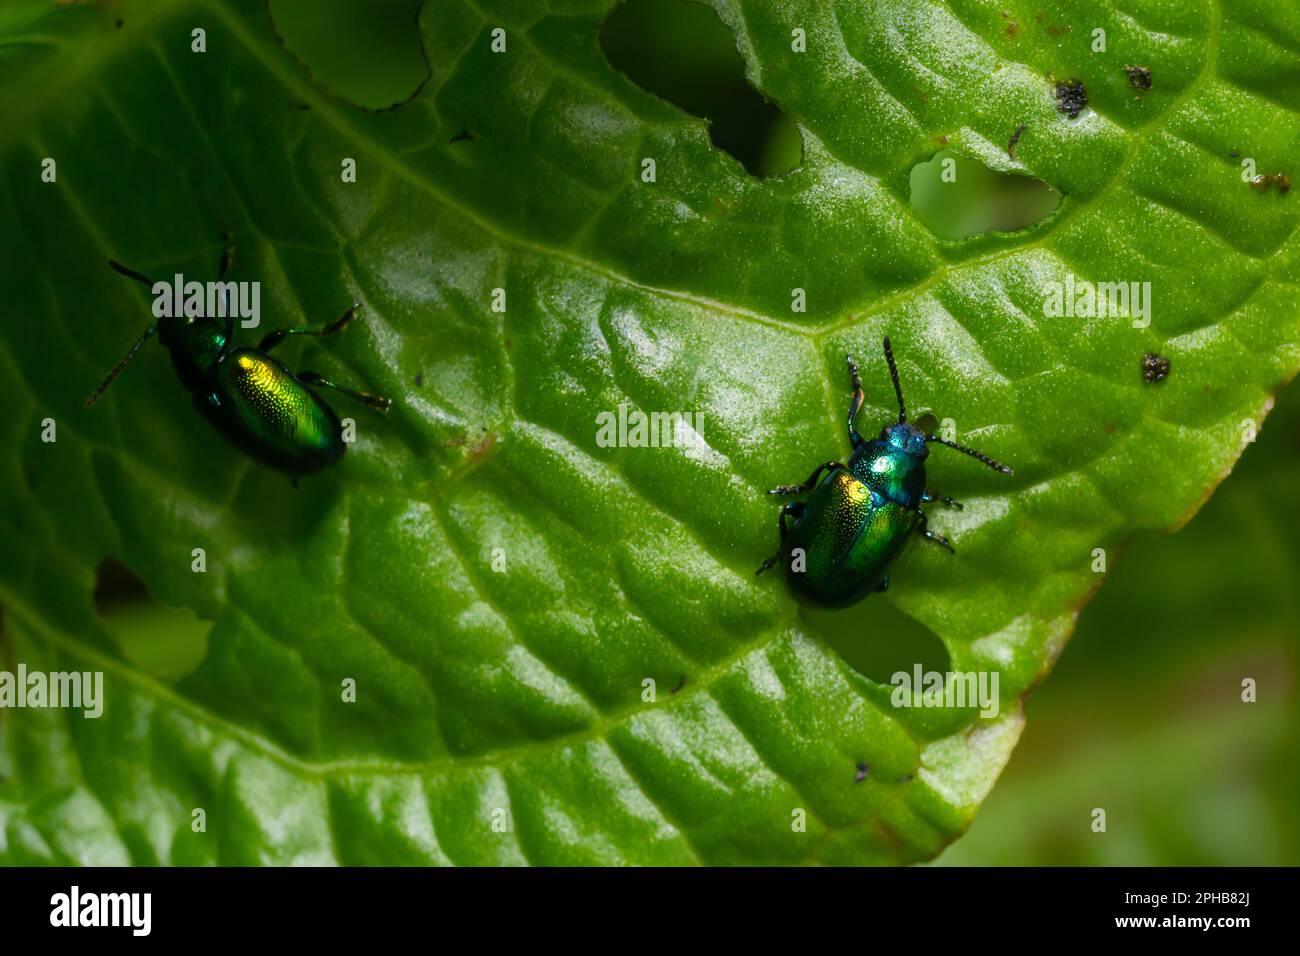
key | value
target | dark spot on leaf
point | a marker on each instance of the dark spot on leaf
(1139, 77)
(863, 770)
(117, 24)
(942, 139)
(1155, 368)
(462, 136)
(419, 379)
(681, 682)
(683, 52)
(1058, 31)
(1012, 28)
(1072, 97)
(905, 778)
(1015, 138)
(1263, 181)
(1234, 153)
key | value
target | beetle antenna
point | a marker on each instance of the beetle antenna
(130, 273)
(995, 465)
(93, 397)
(898, 389)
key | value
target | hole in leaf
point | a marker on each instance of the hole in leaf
(368, 53)
(166, 642)
(956, 196)
(877, 639)
(928, 423)
(680, 50)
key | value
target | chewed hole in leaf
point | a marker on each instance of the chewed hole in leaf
(680, 50)
(956, 197)
(878, 640)
(928, 423)
(371, 55)
(165, 642)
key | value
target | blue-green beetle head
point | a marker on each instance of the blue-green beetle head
(906, 438)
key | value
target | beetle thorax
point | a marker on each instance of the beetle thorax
(890, 470)
(195, 346)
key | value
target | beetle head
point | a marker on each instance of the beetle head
(906, 438)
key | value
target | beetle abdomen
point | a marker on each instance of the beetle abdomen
(275, 417)
(848, 535)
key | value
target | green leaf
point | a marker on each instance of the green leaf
(515, 697)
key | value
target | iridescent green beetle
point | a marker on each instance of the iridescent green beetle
(272, 414)
(857, 519)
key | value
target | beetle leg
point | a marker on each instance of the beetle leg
(807, 485)
(855, 403)
(793, 508)
(950, 502)
(272, 339)
(930, 535)
(374, 401)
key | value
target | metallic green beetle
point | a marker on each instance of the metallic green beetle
(860, 515)
(272, 414)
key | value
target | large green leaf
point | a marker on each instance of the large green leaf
(515, 696)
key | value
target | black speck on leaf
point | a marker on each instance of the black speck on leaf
(1155, 368)
(1139, 77)
(1015, 138)
(1072, 97)
(863, 770)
